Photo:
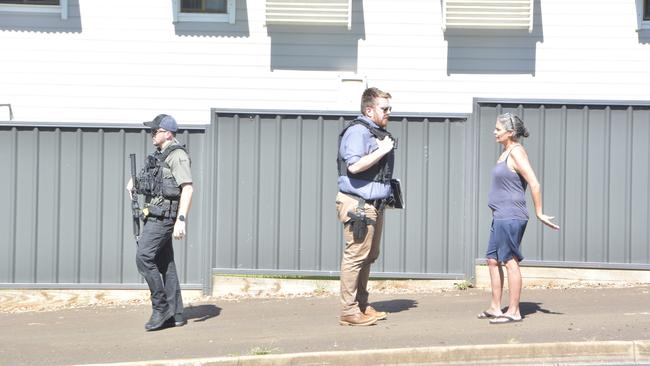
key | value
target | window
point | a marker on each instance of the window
(646, 10)
(204, 11)
(35, 6)
(204, 6)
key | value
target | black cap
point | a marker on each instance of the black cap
(164, 121)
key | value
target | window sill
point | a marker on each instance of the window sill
(36, 9)
(228, 17)
(205, 18)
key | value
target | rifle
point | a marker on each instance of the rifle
(135, 205)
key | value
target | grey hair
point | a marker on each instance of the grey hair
(513, 123)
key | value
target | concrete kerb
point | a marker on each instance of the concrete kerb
(535, 277)
(567, 353)
(233, 286)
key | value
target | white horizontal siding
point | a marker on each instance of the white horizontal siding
(127, 64)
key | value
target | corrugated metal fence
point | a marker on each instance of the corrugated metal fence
(592, 160)
(266, 182)
(275, 183)
(65, 220)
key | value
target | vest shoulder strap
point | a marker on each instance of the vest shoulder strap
(379, 133)
(163, 156)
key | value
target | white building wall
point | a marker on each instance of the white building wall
(129, 62)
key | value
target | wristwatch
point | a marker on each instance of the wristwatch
(181, 218)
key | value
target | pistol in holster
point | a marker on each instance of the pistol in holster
(359, 223)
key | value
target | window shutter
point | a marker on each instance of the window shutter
(482, 14)
(323, 12)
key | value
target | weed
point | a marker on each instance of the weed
(263, 350)
(321, 288)
(464, 285)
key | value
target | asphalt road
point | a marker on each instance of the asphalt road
(257, 326)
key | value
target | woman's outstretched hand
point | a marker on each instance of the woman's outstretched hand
(547, 221)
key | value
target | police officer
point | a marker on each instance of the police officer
(166, 183)
(365, 164)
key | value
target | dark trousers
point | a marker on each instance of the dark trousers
(155, 261)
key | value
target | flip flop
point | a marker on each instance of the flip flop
(503, 319)
(486, 315)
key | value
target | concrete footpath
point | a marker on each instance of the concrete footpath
(561, 326)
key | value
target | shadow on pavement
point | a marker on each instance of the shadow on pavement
(395, 306)
(201, 313)
(527, 308)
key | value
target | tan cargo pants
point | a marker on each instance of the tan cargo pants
(357, 256)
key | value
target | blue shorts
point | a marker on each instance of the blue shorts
(505, 239)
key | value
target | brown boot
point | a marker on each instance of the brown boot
(357, 319)
(379, 315)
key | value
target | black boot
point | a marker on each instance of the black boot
(158, 319)
(179, 320)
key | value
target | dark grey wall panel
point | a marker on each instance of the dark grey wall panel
(8, 210)
(276, 183)
(25, 246)
(67, 217)
(592, 162)
(639, 227)
(191, 253)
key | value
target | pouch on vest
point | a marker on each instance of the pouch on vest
(153, 210)
(145, 182)
(170, 189)
(163, 209)
(152, 181)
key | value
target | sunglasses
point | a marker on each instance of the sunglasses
(155, 132)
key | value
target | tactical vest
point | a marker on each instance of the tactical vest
(152, 183)
(380, 172)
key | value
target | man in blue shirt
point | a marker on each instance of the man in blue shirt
(365, 165)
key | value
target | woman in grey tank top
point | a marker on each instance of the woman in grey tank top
(506, 198)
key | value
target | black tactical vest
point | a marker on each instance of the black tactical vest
(152, 183)
(380, 172)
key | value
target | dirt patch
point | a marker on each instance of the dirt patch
(19, 301)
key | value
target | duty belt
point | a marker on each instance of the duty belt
(165, 209)
(377, 203)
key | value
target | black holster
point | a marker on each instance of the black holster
(359, 222)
